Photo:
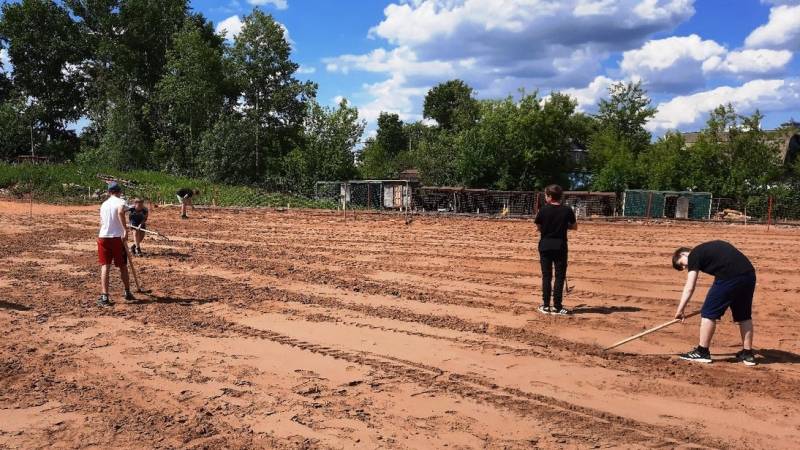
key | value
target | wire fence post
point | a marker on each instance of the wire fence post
(769, 212)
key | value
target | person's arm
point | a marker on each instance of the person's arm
(121, 213)
(144, 216)
(688, 290)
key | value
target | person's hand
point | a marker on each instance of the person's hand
(680, 315)
(124, 235)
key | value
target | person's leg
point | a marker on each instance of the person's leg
(104, 269)
(183, 208)
(123, 272)
(746, 330)
(138, 237)
(547, 277)
(707, 327)
(560, 262)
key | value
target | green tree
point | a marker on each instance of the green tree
(390, 134)
(190, 95)
(330, 137)
(626, 112)
(226, 149)
(664, 163)
(620, 137)
(273, 99)
(46, 48)
(452, 105)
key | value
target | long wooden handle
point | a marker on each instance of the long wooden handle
(651, 330)
(133, 269)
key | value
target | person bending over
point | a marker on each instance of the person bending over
(734, 284)
(185, 197)
(553, 221)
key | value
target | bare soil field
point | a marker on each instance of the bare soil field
(296, 329)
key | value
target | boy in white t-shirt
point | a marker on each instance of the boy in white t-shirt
(111, 243)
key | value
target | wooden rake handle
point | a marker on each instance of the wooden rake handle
(651, 330)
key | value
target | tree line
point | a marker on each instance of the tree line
(161, 90)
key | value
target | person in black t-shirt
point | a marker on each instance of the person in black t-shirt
(137, 217)
(553, 221)
(185, 197)
(734, 284)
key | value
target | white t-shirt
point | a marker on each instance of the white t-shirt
(110, 223)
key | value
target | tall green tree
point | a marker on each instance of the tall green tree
(626, 112)
(452, 105)
(327, 150)
(273, 99)
(620, 137)
(46, 49)
(189, 97)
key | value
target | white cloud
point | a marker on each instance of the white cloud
(5, 62)
(762, 61)
(230, 27)
(691, 110)
(589, 96)
(306, 70)
(595, 7)
(394, 96)
(500, 46)
(781, 31)
(278, 4)
(680, 64)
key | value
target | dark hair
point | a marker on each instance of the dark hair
(677, 256)
(554, 191)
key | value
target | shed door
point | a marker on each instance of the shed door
(682, 208)
(388, 196)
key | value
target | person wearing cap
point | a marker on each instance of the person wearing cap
(138, 217)
(111, 243)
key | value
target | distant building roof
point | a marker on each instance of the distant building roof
(410, 175)
(787, 139)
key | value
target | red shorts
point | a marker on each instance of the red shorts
(111, 249)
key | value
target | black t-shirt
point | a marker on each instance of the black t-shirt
(719, 258)
(137, 217)
(185, 193)
(554, 221)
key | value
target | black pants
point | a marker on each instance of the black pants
(550, 259)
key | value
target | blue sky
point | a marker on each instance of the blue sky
(692, 55)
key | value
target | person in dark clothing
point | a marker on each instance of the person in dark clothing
(553, 221)
(734, 285)
(137, 216)
(185, 197)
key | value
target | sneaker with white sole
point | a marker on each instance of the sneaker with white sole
(544, 309)
(104, 301)
(747, 357)
(699, 354)
(560, 311)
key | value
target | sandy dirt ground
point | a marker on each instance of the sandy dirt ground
(296, 329)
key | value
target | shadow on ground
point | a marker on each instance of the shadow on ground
(13, 306)
(604, 309)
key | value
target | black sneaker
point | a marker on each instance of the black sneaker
(544, 309)
(129, 296)
(747, 357)
(560, 311)
(698, 354)
(139, 251)
(104, 301)
(184, 217)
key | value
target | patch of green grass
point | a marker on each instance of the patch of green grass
(75, 184)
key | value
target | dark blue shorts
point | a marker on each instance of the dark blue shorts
(735, 293)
